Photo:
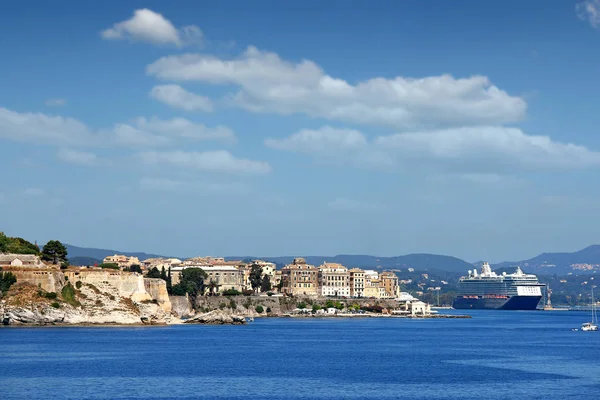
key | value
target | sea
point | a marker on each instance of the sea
(493, 355)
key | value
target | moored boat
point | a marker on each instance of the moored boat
(488, 290)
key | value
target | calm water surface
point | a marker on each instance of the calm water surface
(494, 355)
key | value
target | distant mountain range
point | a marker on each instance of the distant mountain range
(582, 261)
(90, 256)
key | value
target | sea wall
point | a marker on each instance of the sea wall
(181, 306)
(246, 305)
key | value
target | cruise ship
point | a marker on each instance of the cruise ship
(488, 290)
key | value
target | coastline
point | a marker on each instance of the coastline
(285, 316)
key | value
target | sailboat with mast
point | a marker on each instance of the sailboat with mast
(591, 326)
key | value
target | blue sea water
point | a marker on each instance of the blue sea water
(494, 355)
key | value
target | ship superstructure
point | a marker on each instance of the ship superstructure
(488, 290)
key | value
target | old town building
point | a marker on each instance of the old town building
(299, 278)
(389, 282)
(121, 260)
(357, 282)
(334, 280)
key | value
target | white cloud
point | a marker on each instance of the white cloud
(59, 131)
(55, 102)
(173, 185)
(350, 205)
(589, 10)
(268, 84)
(127, 135)
(34, 192)
(177, 97)
(488, 146)
(77, 157)
(148, 26)
(482, 150)
(181, 127)
(323, 140)
(44, 129)
(333, 144)
(213, 161)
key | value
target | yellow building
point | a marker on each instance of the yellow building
(357, 282)
(299, 278)
(121, 260)
(389, 282)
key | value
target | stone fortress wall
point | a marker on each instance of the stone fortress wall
(126, 284)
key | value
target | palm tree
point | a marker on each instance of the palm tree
(212, 285)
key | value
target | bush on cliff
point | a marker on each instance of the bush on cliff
(7, 279)
(51, 295)
(68, 295)
(153, 273)
(109, 266)
(231, 292)
(259, 309)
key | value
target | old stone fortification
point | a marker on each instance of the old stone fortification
(51, 280)
(157, 289)
(246, 305)
(181, 306)
(128, 284)
(123, 284)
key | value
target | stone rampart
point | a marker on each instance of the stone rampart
(181, 306)
(50, 280)
(128, 284)
(157, 289)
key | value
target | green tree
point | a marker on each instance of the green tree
(163, 274)
(17, 245)
(194, 278)
(153, 273)
(109, 266)
(315, 308)
(265, 285)
(169, 281)
(7, 279)
(55, 252)
(255, 276)
(134, 268)
(212, 286)
(3, 243)
(259, 309)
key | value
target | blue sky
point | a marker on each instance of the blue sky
(316, 128)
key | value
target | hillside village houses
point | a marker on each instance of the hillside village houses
(122, 261)
(297, 278)
(160, 263)
(21, 260)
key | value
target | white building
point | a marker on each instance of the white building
(334, 280)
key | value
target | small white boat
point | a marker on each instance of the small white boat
(591, 326)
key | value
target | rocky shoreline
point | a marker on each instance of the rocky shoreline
(105, 298)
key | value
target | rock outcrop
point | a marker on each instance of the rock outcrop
(89, 304)
(216, 317)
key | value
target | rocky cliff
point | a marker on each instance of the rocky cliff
(27, 304)
(85, 297)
